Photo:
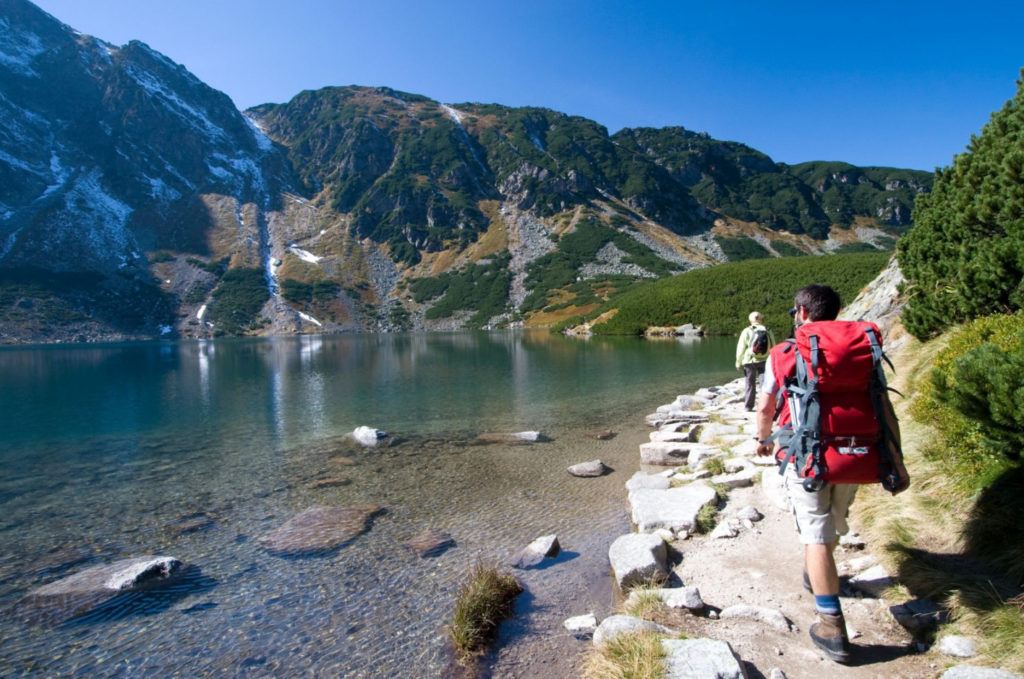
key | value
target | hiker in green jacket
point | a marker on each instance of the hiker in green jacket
(751, 352)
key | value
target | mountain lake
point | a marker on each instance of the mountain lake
(195, 450)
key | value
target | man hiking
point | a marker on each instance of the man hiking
(751, 352)
(826, 452)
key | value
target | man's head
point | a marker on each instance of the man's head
(754, 317)
(820, 302)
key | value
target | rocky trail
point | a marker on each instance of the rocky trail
(747, 572)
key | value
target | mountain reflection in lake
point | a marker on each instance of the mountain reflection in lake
(197, 449)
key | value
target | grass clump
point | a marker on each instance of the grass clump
(707, 518)
(483, 601)
(714, 465)
(632, 656)
(643, 602)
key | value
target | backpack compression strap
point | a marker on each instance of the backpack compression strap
(805, 414)
(886, 437)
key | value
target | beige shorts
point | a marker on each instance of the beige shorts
(820, 517)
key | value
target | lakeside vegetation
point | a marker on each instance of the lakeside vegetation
(719, 298)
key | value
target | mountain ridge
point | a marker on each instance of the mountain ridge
(126, 174)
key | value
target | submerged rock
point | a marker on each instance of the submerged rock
(88, 590)
(318, 530)
(191, 523)
(430, 543)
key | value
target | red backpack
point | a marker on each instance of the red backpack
(841, 426)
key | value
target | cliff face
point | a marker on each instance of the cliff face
(139, 202)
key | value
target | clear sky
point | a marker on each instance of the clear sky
(899, 83)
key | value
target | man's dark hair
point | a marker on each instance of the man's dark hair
(821, 302)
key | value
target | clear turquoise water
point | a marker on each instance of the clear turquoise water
(106, 449)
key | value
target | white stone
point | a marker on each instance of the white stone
(581, 624)
(873, 581)
(724, 530)
(665, 452)
(699, 658)
(958, 646)
(644, 480)
(615, 625)
(638, 558)
(741, 479)
(768, 616)
(682, 597)
(749, 513)
(588, 469)
(675, 509)
(368, 436)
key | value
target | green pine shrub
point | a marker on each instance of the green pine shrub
(975, 402)
(964, 257)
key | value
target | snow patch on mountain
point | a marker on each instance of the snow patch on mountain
(262, 140)
(159, 189)
(21, 165)
(18, 49)
(175, 104)
(307, 317)
(304, 255)
(108, 215)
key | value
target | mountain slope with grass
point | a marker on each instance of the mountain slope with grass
(133, 191)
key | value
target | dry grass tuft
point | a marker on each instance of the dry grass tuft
(628, 656)
(483, 601)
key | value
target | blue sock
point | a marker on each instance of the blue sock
(827, 603)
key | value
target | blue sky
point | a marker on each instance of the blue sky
(901, 84)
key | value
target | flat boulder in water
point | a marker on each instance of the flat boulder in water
(87, 590)
(514, 438)
(430, 543)
(318, 530)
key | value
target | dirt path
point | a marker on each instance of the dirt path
(763, 567)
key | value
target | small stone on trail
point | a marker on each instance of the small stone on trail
(768, 616)
(958, 646)
(581, 625)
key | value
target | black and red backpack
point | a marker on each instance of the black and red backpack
(838, 421)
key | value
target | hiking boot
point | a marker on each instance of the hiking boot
(829, 634)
